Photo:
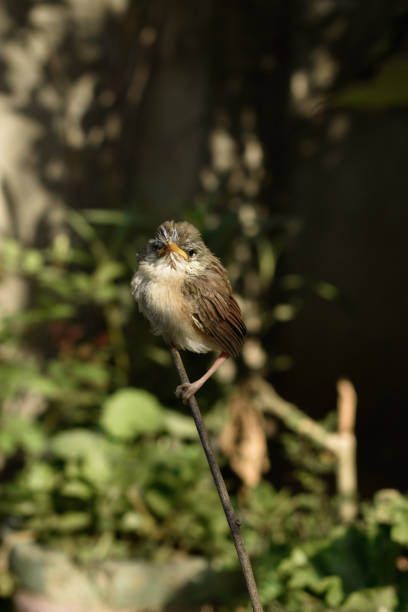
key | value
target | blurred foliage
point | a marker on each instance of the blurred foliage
(362, 567)
(94, 456)
(100, 466)
(97, 466)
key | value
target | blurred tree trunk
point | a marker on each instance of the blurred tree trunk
(173, 122)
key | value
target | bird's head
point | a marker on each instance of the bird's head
(178, 247)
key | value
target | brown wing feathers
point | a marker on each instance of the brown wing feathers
(214, 311)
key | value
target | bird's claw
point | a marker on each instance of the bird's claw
(185, 391)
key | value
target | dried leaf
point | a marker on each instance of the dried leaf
(243, 439)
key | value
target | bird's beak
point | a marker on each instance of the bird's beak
(172, 246)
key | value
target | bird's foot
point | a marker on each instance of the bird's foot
(186, 390)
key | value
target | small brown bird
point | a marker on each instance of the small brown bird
(183, 289)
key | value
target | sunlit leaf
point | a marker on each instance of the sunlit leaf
(399, 532)
(77, 443)
(76, 488)
(69, 521)
(108, 271)
(382, 598)
(33, 261)
(40, 476)
(70, 372)
(132, 412)
(97, 467)
(180, 425)
(20, 432)
(132, 521)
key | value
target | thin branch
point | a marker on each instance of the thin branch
(346, 452)
(341, 444)
(233, 521)
(266, 398)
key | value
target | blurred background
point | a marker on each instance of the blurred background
(280, 129)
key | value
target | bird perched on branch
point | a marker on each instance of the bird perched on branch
(183, 289)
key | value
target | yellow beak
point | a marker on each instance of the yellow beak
(172, 246)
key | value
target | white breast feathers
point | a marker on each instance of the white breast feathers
(158, 292)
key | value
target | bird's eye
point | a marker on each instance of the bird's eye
(191, 252)
(156, 245)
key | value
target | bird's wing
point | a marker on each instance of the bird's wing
(213, 310)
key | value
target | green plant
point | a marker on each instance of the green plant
(95, 463)
(135, 483)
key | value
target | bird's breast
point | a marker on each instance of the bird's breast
(161, 300)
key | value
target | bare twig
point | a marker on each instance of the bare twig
(233, 521)
(267, 400)
(346, 451)
(342, 444)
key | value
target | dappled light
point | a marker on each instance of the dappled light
(279, 130)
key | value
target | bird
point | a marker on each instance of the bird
(183, 290)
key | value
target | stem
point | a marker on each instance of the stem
(233, 521)
(266, 398)
(342, 444)
(346, 451)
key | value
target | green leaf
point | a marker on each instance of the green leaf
(108, 271)
(18, 322)
(132, 412)
(98, 467)
(71, 373)
(399, 532)
(90, 373)
(33, 261)
(158, 502)
(16, 378)
(381, 598)
(69, 521)
(388, 502)
(132, 521)
(76, 488)
(331, 586)
(180, 426)
(77, 443)
(19, 432)
(40, 477)
(96, 455)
